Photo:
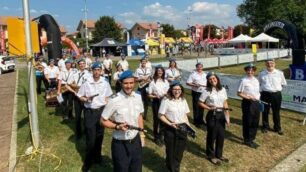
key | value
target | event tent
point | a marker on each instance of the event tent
(136, 42)
(185, 40)
(108, 42)
(240, 39)
(264, 38)
(152, 42)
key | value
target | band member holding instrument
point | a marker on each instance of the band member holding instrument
(65, 78)
(271, 83)
(197, 81)
(148, 64)
(51, 74)
(248, 90)
(61, 63)
(40, 65)
(173, 73)
(107, 65)
(88, 61)
(123, 62)
(143, 77)
(116, 76)
(94, 93)
(123, 111)
(157, 90)
(214, 99)
(173, 111)
(79, 79)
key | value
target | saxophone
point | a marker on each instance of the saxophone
(39, 66)
(144, 82)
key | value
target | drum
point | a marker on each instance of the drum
(51, 100)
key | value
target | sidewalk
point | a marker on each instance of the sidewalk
(7, 94)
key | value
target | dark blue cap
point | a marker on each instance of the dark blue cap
(81, 60)
(96, 65)
(172, 60)
(126, 74)
(51, 60)
(68, 61)
(199, 63)
(175, 83)
(209, 74)
(250, 65)
(269, 59)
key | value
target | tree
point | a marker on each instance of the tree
(213, 31)
(106, 27)
(258, 13)
(241, 29)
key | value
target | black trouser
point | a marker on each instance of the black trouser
(52, 84)
(274, 100)
(117, 86)
(175, 142)
(157, 124)
(145, 100)
(40, 79)
(127, 155)
(198, 112)
(215, 134)
(78, 109)
(67, 105)
(94, 135)
(250, 119)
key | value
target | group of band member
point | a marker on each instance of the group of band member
(126, 110)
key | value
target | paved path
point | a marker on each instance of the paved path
(7, 94)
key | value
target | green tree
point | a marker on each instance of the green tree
(241, 29)
(258, 13)
(213, 31)
(106, 27)
(170, 31)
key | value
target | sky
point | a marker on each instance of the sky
(179, 13)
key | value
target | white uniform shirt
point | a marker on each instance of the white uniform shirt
(124, 108)
(124, 64)
(174, 110)
(66, 76)
(107, 63)
(249, 87)
(61, 65)
(214, 98)
(148, 65)
(88, 62)
(117, 75)
(159, 88)
(172, 73)
(81, 77)
(91, 88)
(142, 72)
(271, 81)
(197, 78)
(51, 72)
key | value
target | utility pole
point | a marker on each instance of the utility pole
(86, 26)
(32, 102)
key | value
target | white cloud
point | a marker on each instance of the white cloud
(164, 13)
(5, 8)
(33, 11)
(44, 11)
(55, 15)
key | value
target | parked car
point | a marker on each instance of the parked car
(7, 63)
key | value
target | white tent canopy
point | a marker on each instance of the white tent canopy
(240, 39)
(264, 38)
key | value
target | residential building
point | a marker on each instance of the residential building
(82, 28)
(144, 30)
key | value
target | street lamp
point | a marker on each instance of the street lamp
(86, 26)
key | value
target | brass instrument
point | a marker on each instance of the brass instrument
(51, 99)
(39, 66)
(144, 82)
(74, 86)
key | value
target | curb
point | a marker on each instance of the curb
(12, 160)
(294, 162)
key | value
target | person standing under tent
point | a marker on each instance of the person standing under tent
(172, 112)
(271, 82)
(94, 93)
(158, 88)
(248, 90)
(124, 114)
(214, 99)
(197, 81)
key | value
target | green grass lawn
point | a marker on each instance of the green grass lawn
(58, 139)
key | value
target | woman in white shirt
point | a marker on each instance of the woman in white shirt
(214, 99)
(156, 91)
(173, 111)
(173, 73)
(116, 77)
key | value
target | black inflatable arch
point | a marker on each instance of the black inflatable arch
(54, 45)
(296, 41)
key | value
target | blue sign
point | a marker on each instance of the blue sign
(298, 72)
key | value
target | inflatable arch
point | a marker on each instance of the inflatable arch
(65, 41)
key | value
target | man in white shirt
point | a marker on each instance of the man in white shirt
(88, 61)
(107, 65)
(61, 63)
(51, 74)
(94, 93)
(271, 84)
(123, 62)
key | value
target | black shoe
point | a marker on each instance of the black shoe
(280, 132)
(223, 159)
(251, 145)
(85, 168)
(215, 161)
(158, 142)
(264, 130)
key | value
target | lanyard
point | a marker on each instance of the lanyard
(80, 77)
